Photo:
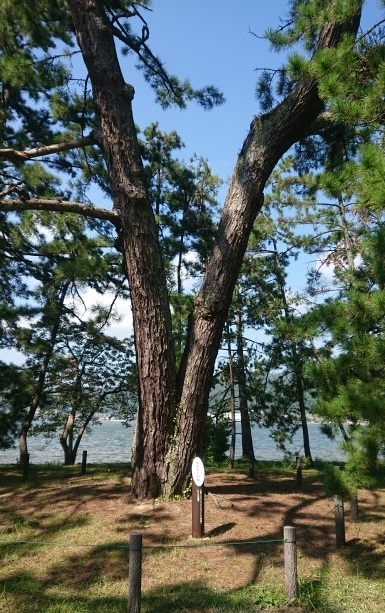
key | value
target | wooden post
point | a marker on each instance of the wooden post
(84, 463)
(25, 459)
(298, 471)
(198, 498)
(198, 510)
(340, 521)
(290, 556)
(135, 573)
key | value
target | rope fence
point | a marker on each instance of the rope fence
(162, 546)
(135, 548)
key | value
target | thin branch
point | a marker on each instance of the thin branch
(367, 32)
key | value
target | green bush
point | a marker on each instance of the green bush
(216, 440)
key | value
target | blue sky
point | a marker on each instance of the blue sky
(210, 42)
(218, 42)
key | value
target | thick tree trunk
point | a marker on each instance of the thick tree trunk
(66, 439)
(141, 250)
(269, 137)
(69, 453)
(161, 404)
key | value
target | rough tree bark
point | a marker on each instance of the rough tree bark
(269, 137)
(141, 251)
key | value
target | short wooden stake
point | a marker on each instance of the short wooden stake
(298, 467)
(340, 521)
(25, 460)
(135, 573)
(290, 555)
(84, 463)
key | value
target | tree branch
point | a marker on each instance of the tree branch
(62, 206)
(16, 156)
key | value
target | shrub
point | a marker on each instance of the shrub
(216, 440)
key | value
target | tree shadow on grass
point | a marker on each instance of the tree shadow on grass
(367, 559)
(23, 592)
(194, 596)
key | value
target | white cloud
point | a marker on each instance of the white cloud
(122, 328)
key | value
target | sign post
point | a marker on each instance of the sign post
(197, 495)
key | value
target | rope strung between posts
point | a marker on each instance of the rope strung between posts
(302, 532)
(107, 546)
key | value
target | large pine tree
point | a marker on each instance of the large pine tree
(172, 404)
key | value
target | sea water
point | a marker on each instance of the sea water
(110, 441)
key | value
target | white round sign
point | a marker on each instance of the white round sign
(198, 472)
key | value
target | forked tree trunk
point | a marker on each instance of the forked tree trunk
(70, 444)
(172, 413)
(67, 439)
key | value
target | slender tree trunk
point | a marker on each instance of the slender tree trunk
(247, 439)
(233, 433)
(344, 434)
(171, 415)
(302, 407)
(40, 382)
(295, 358)
(347, 240)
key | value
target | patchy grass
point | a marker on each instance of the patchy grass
(64, 544)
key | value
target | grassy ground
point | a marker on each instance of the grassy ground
(64, 537)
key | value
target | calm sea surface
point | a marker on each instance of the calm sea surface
(111, 442)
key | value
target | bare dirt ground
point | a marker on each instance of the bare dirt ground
(244, 520)
(247, 516)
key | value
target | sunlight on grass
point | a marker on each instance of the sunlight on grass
(344, 592)
(77, 558)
